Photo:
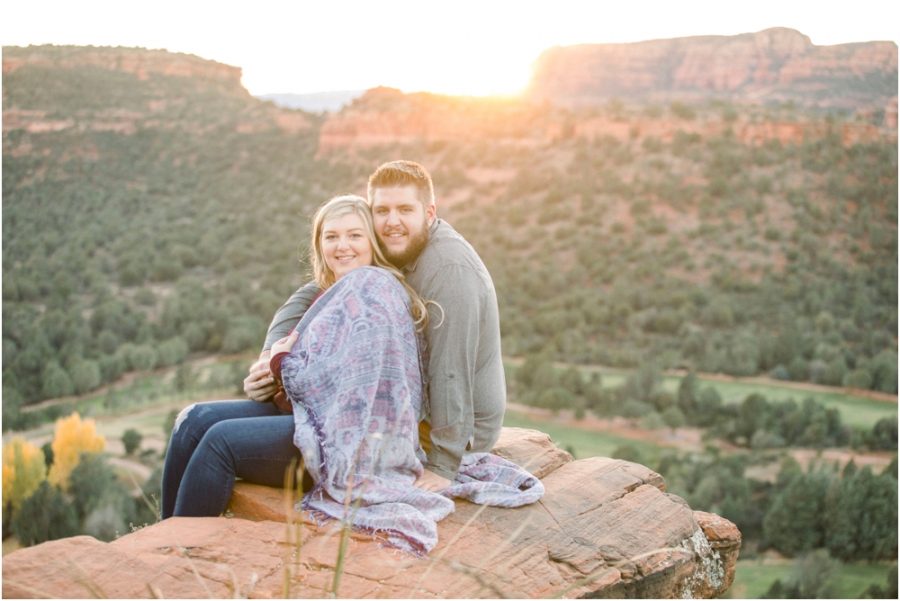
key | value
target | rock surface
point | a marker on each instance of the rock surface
(605, 527)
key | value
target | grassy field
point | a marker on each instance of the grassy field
(754, 577)
(584, 443)
(857, 411)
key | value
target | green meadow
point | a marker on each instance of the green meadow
(754, 577)
(582, 443)
(856, 411)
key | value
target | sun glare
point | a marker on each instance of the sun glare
(505, 80)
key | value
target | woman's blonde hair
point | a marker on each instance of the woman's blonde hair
(338, 207)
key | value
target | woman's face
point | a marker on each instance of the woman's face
(345, 245)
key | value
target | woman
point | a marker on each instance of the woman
(213, 443)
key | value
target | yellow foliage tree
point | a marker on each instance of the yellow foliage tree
(23, 470)
(73, 438)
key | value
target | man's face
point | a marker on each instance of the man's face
(401, 223)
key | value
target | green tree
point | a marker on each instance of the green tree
(644, 382)
(56, 381)
(795, 520)
(555, 398)
(884, 371)
(185, 377)
(85, 375)
(673, 417)
(688, 391)
(709, 403)
(172, 351)
(862, 518)
(572, 381)
(544, 377)
(131, 439)
(45, 515)
(47, 449)
(884, 434)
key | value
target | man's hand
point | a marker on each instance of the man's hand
(431, 481)
(259, 384)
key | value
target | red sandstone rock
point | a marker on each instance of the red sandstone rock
(776, 64)
(604, 528)
(138, 61)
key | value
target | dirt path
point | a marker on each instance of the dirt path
(128, 378)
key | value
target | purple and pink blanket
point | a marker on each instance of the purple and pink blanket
(354, 379)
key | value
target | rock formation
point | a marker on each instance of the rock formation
(772, 65)
(605, 528)
(388, 116)
(140, 62)
(48, 89)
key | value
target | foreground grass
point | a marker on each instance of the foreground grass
(753, 577)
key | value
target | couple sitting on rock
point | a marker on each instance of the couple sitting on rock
(397, 350)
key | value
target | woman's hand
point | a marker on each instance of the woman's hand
(285, 344)
(259, 384)
(431, 481)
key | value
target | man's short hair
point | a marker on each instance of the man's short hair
(403, 173)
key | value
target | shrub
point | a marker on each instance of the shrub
(131, 439)
(45, 515)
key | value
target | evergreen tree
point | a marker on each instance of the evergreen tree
(47, 449)
(688, 391)
(862, 520)
(56, 381)
(45, 515)
(90, 483)
(709, 404)
(572, 381)
(131, 439)
(85, 375)
(795, 520)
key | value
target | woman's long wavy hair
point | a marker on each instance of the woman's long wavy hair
(336, 208)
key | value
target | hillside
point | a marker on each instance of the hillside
(772, 66)
(152, 208)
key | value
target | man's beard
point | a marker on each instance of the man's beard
(412, 251)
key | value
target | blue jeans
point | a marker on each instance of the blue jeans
(213, 443)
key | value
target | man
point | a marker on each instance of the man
(464, 369)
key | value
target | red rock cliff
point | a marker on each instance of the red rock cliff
(137, 61)
(771, 65)
(388, 116)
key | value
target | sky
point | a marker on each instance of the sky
(471, 47)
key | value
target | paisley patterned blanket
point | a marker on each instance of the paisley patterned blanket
(355, 383)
